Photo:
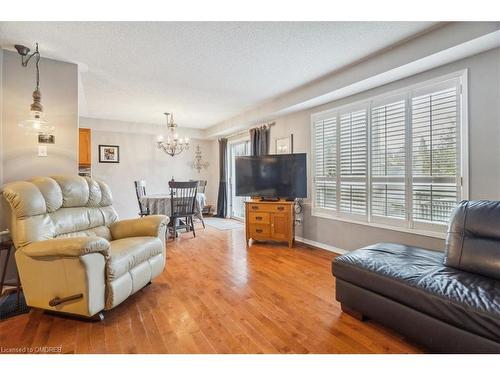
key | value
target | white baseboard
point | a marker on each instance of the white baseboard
(322, 245)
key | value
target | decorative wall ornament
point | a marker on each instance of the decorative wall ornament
(197, 163)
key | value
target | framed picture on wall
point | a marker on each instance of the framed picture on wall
(46, 138)
(284, 145)
(109, 154)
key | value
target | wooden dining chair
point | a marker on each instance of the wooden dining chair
(202, 184)
(182, 203)
(140, 191)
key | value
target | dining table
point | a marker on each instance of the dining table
(159, 204)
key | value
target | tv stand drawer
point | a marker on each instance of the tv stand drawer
(269, 207)
(259, 217)
(260, 230)
(256, 207)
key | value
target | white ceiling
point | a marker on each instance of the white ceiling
(205, 72)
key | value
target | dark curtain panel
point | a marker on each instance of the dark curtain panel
(222, 198)
(259, 141)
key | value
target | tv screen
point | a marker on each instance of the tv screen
(271, 176)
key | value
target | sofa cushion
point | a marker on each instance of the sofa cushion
(127, 253)
(51, 192)
(48, 207)
(418, 279)
(75, 190)
(473, 242)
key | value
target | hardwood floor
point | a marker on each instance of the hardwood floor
(217, 296)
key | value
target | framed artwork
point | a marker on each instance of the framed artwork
(46, 138)
(109, 154)
(284, 145)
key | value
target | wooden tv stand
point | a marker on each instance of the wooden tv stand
(270, 221)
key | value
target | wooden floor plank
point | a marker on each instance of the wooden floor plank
(217, 295)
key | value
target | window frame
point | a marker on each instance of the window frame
(407, 93)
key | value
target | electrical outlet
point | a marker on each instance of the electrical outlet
(42, 151)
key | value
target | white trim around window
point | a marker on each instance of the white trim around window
(402, 181)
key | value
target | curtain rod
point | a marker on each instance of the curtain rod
(247, 130)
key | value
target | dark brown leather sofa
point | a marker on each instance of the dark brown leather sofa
(447, 301)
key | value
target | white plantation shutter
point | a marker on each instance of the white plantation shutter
(388, 155)
(353, 162)
(394, 160)
(325, 167)
(434, 155)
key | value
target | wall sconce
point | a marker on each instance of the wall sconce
(198, 164)
(36, 122)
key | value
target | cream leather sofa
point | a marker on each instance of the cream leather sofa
(73, 254)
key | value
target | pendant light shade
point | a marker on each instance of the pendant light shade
(36, 122)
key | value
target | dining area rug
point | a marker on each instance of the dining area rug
(223, 224)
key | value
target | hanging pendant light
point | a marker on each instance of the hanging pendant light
(36, 122)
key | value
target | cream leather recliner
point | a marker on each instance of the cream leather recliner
(73, 255)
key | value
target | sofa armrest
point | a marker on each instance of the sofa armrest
(149, 226)
(67, 247)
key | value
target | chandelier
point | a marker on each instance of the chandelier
(173, 145)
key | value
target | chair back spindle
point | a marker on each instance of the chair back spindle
(140, 191)
(202, 184)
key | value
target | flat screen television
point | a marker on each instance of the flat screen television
(271, 176)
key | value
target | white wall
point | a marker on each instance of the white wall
(141, 160)
(484, 151)
(19, 149)
(59, 88)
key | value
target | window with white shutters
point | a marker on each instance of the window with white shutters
(353, 162)
(434, 150)
(394, 160)
(388, 156)
(325, 163)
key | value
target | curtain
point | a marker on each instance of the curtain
(259, 141)
(222, 197)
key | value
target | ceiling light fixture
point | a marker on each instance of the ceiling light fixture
(36, 122)
(173, 145)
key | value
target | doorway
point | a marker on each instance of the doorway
(236, 204)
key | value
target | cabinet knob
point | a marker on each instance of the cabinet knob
(255, 207)
(280, 208)
(258, 217)
(258, 230)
